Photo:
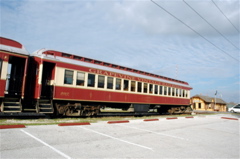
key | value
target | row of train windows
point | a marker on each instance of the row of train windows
(99, 81)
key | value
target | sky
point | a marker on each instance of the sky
(196, 41)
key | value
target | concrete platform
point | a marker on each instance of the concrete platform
(199, 137)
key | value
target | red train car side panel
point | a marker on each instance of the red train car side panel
(2, 88)
(66, 93)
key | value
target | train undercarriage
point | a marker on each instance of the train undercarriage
(88, 109)
(59, 108)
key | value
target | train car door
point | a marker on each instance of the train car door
(45, 103)
(15, 76)
(47, 80)
(15, 81)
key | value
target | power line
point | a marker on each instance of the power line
(225, 15)
(209, 24)
(194, 30)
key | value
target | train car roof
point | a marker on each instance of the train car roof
(12, 46)
(88, 62)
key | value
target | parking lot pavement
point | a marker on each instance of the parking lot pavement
(198, 137)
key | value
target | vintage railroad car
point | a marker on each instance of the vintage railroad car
(76, 85)
(70, 85)
(13, 67)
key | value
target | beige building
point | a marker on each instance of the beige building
(200, 102)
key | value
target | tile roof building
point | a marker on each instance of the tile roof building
(200, 102)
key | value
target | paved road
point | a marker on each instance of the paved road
(198, 137)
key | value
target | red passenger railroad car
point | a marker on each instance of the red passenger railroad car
(80, 85)
(72, 85)
(13, 66)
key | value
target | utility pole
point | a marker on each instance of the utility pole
(215, 100)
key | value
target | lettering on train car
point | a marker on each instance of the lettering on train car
(64, 93)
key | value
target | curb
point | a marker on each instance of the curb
(171, 118)
(109, 122)
(229, 118)
(11, 126)
(150, 119)
(73, 124)
(116, 122)
(189, 117)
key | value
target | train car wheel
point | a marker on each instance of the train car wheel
(171, 111)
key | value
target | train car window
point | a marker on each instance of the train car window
(77, 57)
(173, 91)
(133, 86)
(169, 91)
(156, 89)
(125, 85)
(91, 80)
(183, 93)
(101, 80)
(118, 84)
(150, 88)
(160, 90)
(80, 78)
(180, 92)
(66, 55)
(110, 82)
(68, 77)
(165, 90)
(145, 87)
(139, 87)
(176, 92)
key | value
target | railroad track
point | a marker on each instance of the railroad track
(39, 115)
(125, 114)
(27, 115)
(22, 115)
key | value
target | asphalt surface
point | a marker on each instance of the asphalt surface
(208, 136)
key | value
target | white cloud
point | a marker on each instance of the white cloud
(153, 19)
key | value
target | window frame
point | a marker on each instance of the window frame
(79, 80)
(173, 91)
(118, 85)
(165, 90)
(177, 93)
(110, 82)
(161, 90)
(145, 87)
(101, 84)
(156, 89)
(133, 86)
(125, 85)
(150, 88)
(92, 80)
(139, 87)
(66, 78)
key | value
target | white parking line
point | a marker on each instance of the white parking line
(116, 138)
(153, 132)
(44, 143)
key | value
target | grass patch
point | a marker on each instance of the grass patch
(43, 121)
(56, 121)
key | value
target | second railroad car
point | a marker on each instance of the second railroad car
(72, 85)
